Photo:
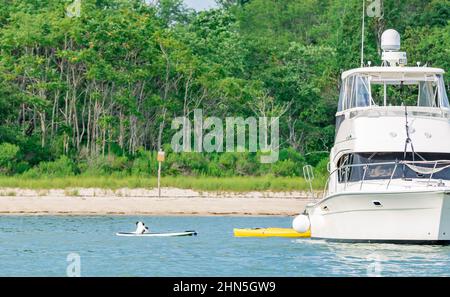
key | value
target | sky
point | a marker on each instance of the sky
(200, 4)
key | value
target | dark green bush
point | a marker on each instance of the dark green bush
(105, 165)
(187, 163)
(59, 168)
(321, 168)
(142, 164)
(8, 154)
(246, 164)
(285, 168)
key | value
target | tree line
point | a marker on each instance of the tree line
(97, 93)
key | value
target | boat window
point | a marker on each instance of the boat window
(362, 91)
(355, 92)
(442, 92)
(341, 98)
(375, 172)
(344, 171)
(349, 92)
(427, 94)
(339, 120)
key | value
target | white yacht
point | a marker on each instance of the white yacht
(390, 165)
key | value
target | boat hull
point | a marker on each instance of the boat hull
(390, 217)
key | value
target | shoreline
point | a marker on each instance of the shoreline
(173, 202)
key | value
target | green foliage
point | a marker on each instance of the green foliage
(285, 168)
(187, 164)
(322, 168)
(92, 92)
(105, 165)
(246, 164)
(61, 167)
(225, 184)
(143, 164)
(8, 154)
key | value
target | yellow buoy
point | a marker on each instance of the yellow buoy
(270, 232)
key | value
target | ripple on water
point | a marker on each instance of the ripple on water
(39, 245)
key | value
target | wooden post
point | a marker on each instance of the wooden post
(159, 179)
(160, 158)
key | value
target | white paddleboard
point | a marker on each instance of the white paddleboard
(151, 234)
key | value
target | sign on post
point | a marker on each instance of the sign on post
(161, 158)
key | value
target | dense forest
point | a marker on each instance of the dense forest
(96, 94)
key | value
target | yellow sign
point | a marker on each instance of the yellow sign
(161, 156)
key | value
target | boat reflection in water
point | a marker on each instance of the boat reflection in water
(380, 259)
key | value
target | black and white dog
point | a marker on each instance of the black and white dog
(141, 228)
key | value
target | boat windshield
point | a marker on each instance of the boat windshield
(361, 90)
(424, 168)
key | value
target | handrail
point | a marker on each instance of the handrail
(393, 162)
(364, 175)
(367, 165)
(308, 175)
(326, 186)
(431, 175)
(392, 175)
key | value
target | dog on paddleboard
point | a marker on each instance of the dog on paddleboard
(141, 228)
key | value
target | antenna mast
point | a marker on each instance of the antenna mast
(362, 32)
(408, 141)
(408, 138)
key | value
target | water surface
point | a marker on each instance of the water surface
(39, 246)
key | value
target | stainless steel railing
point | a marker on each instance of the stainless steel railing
(346, 168)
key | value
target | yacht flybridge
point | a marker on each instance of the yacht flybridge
(390, 165)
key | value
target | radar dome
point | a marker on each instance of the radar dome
(390, 40)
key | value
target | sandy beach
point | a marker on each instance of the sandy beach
(146, 202)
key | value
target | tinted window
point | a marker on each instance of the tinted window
(386, 171)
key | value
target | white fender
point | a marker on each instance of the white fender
(301, 223)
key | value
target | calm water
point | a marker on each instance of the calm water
(39, 245)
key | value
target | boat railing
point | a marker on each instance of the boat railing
(420, 167)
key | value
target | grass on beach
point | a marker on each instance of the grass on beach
(228, 184)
